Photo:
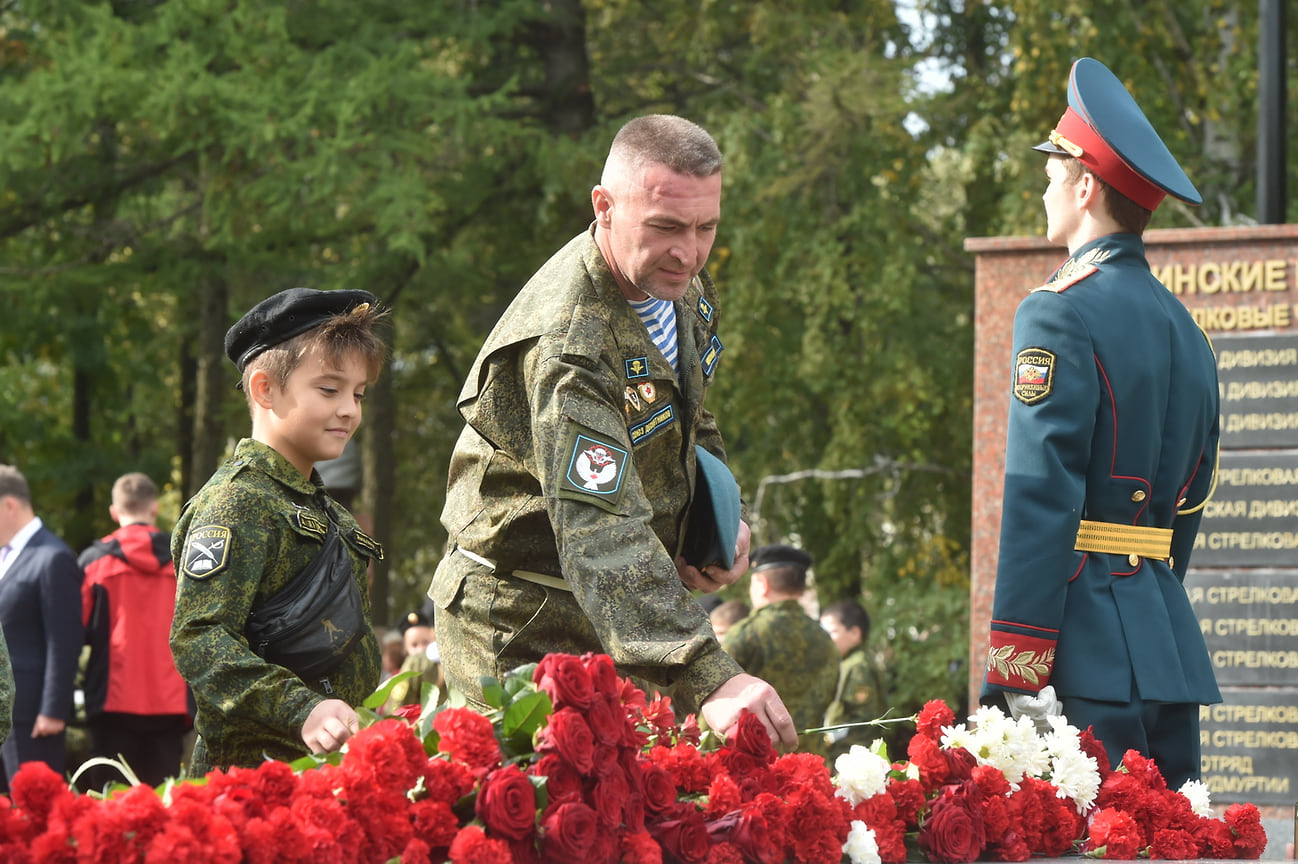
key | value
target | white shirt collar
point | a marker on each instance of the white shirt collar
(19, 542)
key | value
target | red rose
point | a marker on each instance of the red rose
(639, 848)
(568, 832)
(603, 677)
(685, 837)
(750, 738)
(751, 837)
(610, 795)
(1114, 834)
(565, 680)
(659, 789)
(507, 803)
(607, 721)
(954, 829)
(960, 763)
(568, 735)
(562, 782)
(932, 717)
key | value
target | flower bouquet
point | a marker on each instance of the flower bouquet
(574, 764)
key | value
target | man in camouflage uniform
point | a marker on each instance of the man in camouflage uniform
(861, 695)
(571, 482)
(780, 643)
(306, 357)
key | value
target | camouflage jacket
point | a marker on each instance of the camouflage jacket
(6, 691)
(254, 525)
(781, 644)
(861, 697)
(577, 462)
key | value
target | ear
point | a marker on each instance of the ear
(259, 387)
(602, 202)
(113, 514)
(1088, 191)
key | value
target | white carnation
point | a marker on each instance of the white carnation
(1076, 776)
(1200, 798)
(861, 846)
(862, 774)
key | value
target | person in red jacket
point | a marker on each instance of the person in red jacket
(138, 708)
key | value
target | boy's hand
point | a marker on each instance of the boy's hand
(328, 725)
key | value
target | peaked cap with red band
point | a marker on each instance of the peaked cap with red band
(1107, 132)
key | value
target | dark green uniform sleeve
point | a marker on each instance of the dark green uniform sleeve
(6, 691)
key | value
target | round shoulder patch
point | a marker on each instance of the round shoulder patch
(207, 551)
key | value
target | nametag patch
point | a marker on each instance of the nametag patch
(658, 422)
(595, 468)
(309, 523)
(1034, 375)
(207, 551)
(368, 543)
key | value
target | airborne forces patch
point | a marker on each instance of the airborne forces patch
(1034, 375)
(207, 551)
(594, 469)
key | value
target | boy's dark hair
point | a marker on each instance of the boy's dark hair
(339, 336)
(730, 612)
(850, 614)
(1129, 215)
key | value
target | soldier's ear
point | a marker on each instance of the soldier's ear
(259, 387)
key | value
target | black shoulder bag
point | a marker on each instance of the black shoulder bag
(311, 624)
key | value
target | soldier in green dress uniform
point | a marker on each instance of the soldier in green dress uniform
(306, 358)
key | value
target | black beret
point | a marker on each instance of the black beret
(780, 555)
(414, 619)
(282, 316)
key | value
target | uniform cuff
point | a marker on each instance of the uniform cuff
(1018, 661)
(708, 672)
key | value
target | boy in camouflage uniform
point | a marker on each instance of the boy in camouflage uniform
(306, 358)
(572, 479)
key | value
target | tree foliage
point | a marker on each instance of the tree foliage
(165, 164)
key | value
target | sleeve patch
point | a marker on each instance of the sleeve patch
(207, 551)
(1034, 375)
(594, 468)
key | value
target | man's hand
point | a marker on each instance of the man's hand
(712, 578)
(1037, 707)
(46, 725)
(723, 707)
(328, 725)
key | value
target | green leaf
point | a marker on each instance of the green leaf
(376, 699)
(526, 715)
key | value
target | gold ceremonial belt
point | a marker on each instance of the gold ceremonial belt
(1119, 539)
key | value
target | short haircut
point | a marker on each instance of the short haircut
(134, 493)
(663, 139)
(729, 612)
(336, 338)
(14, 485)
(849, 614)
(1129, 215)
(783, 567)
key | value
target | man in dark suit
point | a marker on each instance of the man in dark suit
(40, 611)
(1110, 455)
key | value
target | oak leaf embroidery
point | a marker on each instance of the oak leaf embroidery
(1029, 665)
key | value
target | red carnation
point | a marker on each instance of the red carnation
(1114, 834)
(472, 846)
(932, 717)
(445, 780)
(1093, 747)
(568, 832)
(800, 770)
(35, 790)
(435, 822)
(934, 767)
(690, 771)
(507, 803)
(640, 848)
(1173, 845)
(565, 680)
(908, 795)
(1215, 839)
(1246, 822)
(954, 830)
(821, 829)
(468, 737)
